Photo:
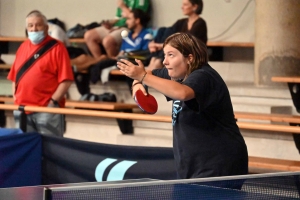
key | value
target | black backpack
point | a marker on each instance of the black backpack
(58, 22)
(78, 30)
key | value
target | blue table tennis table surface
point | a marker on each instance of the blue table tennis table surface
(147, 189)
(172, 192)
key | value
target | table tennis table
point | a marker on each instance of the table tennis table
(284, 185)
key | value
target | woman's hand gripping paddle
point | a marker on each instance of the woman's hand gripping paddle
(147, 103)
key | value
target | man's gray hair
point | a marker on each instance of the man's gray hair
(37, 13)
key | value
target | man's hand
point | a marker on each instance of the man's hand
(121, 4)
(106, 24)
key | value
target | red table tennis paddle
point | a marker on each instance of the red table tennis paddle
(147, 103)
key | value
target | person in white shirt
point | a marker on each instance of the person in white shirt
(58, 33)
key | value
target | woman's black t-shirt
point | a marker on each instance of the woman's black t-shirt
(206, 139)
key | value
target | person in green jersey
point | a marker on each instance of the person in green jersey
(109, 33)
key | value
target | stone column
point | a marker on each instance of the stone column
(277, 40)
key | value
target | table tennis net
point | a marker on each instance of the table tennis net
(268, 186)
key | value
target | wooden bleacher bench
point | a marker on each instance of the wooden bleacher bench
(239, 115)
(81, 40)
(209, 43)
(283, 79)
(112, 106)
(229, 44)
(11, 39)
(100, 105)
(5, 66)
(125, 125)
(269, 117)
(262, 165)
(114, 72)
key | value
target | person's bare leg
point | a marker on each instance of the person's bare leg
(111, 46)
(83, 62)
(158, 64)
(155, 63)
(92, 40)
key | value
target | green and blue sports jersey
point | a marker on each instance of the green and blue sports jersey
(131, 4)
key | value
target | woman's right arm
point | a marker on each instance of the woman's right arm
(137, 85)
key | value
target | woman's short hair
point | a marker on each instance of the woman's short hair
(188, 44)
(199, 3)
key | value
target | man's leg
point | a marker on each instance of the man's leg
(155, 63)
(112, 42)
(48, 123)
(93, 38)
(30, 124)
(83, 62)
(111, 46)
(82, 81)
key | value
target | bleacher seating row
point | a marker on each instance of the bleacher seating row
(81, 40)
(114, 72)
(111, 106)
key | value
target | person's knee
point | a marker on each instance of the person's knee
(109, 42)
(91, 35)
(155, 63)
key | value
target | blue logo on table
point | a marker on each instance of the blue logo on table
(116, 173)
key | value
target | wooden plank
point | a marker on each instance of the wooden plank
(209, 43)
(5, 66)
(158, 118)
(120, 106)
(6, 99)
(229, 44)
(274, 164)
(269, 127)
(286, 79)
(92, 113)
(101, 105)
(12, 39)
(76, 40)
(22, 39)
(269, 117)
(116, 72)
(88, 104)
(81, 40)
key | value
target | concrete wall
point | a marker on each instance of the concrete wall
(277, 42)
(219, 15)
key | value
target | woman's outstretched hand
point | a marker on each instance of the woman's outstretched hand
(131, 70)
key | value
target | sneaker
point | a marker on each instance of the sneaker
(87, 97)
(107, 97)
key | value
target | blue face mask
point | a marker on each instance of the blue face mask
(36, 37)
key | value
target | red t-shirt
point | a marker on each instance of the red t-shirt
(38, 84)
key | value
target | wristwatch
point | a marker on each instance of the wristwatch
(54, 102)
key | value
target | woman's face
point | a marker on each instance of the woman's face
(175, 62)
(188, 8)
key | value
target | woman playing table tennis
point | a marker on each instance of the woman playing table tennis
(206, 139)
